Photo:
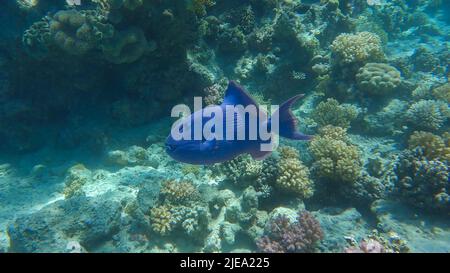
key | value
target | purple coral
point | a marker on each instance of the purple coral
(286, 237)
(367, 246)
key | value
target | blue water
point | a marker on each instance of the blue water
(86, 93)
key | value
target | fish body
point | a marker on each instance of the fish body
(220, 147)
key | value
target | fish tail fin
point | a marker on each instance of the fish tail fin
(288, 122)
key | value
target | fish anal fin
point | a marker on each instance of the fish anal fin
(260, 155)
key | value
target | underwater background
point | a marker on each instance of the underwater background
(86, 89)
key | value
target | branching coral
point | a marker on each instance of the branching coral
(179, 192)
(359, 48)
(442, 92)
(330, 112)
(421, 182)
(293, 175)
(37, 38)
(282, 236)
(336, 158)
(192, 220)
(378, 78)
(428, 114)
(241, 169)
(161, 219)
(433, 146)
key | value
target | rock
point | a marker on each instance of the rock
(406, 222)
(87, 221)
(339, 225)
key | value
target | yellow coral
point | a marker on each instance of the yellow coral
(179, 192)
(361, 47)
(161, 220)
(442, 92)
(293, 175)
(330, 112)
(336, 158)
(378, 78)
(77, 176)
(434, 147)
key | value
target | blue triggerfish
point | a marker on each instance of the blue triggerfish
(226, 143)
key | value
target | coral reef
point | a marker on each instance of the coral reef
(85, 96)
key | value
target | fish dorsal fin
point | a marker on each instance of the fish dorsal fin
(235, 95)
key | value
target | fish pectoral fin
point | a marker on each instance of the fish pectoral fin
(209, 145)
(260, 155)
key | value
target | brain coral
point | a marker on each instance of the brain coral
(127, 46)
(359, 48)
(293, 175)
(330, 112)
(378, 78)
(335, 157)
(78, 32)
(428, 114)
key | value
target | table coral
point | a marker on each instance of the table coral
(378, 78)
(335, 157)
